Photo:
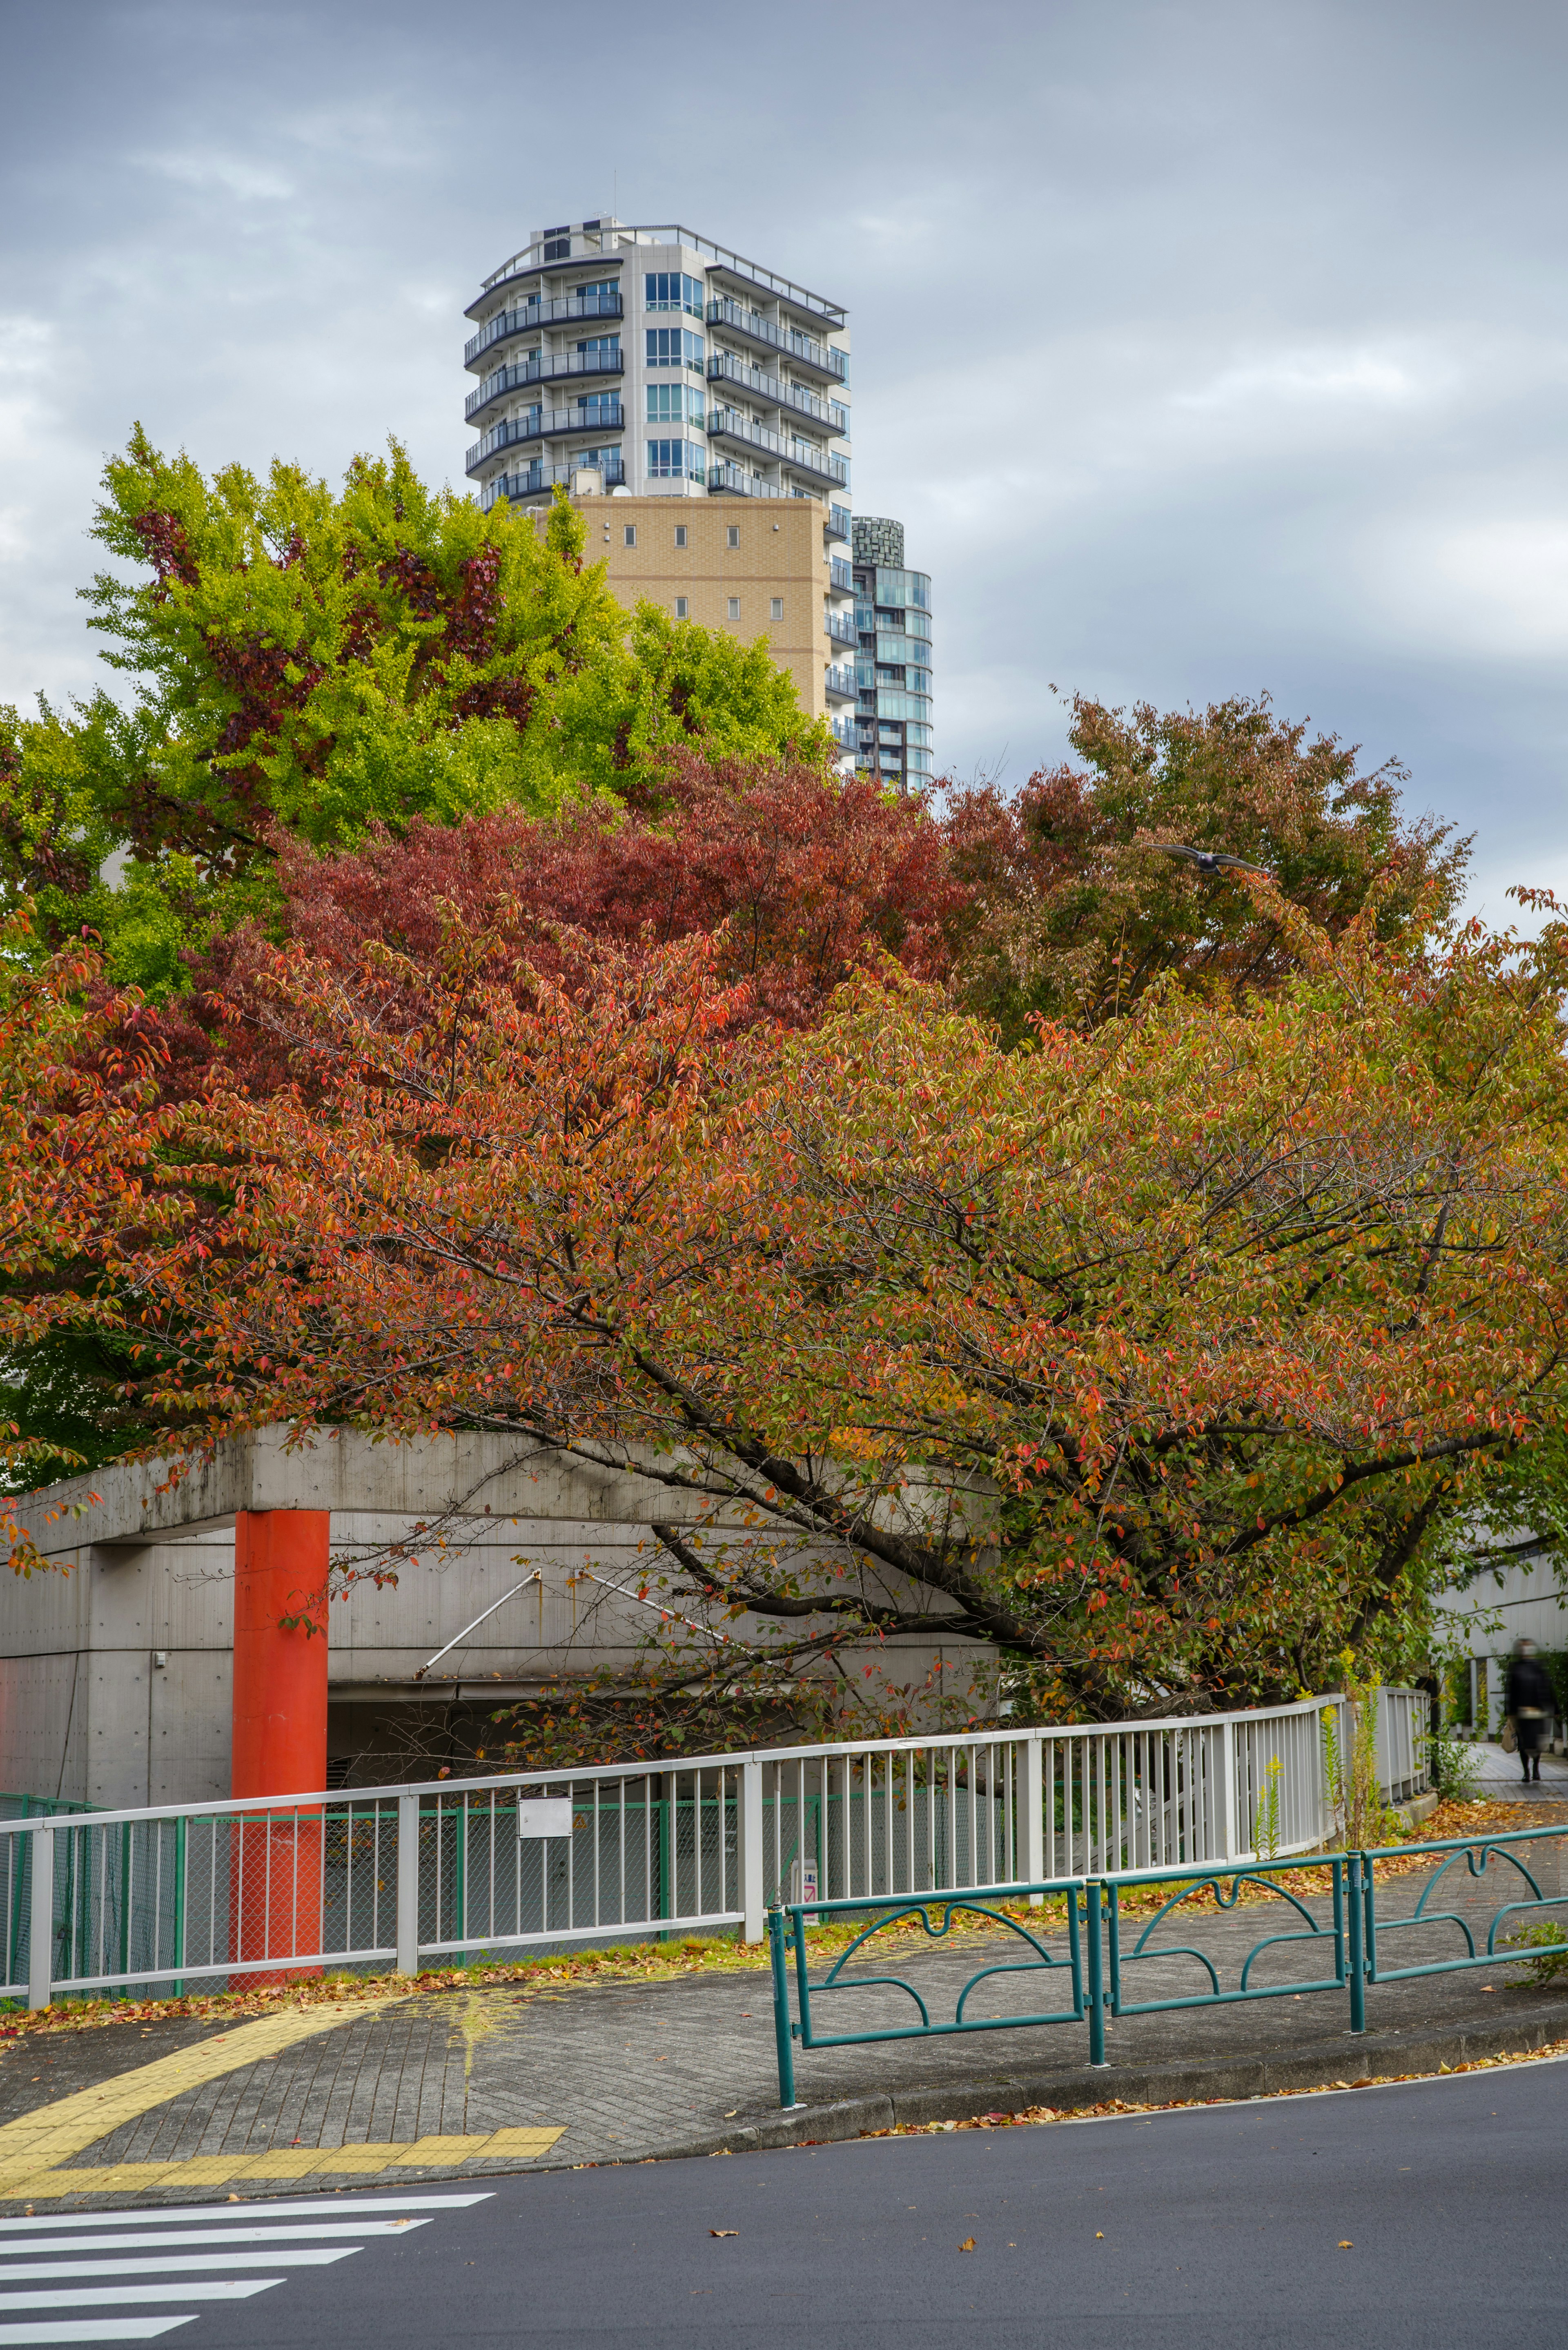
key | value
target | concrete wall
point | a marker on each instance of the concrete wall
(115, 1668)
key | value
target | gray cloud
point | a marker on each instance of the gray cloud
(1202, 348)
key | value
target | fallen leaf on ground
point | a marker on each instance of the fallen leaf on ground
(1346, 2245)
(723, 2232)
(967, 2245)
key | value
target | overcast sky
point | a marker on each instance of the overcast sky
(1202, 349)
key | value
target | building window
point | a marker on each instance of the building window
(681, 604)
(680, 533)
(734, 534)
(666, 289)
(776, 612)
(609, 346)
(629, 535)
(673, 347)
(677, 461)
(734, 608)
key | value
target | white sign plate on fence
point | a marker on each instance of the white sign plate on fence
(547, 1815)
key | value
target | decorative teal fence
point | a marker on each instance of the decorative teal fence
(1338, 1941)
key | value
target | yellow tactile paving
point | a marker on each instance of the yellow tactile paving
(285, 2162)
(36, 2148)
(40, 2140)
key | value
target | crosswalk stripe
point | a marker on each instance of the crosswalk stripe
(213, 2212)
(265, 2234)
(94, 2296)
(279, 2257)
(93, 2329)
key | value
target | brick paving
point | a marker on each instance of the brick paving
(629, 2070)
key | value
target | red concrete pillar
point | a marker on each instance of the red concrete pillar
(279, 1733)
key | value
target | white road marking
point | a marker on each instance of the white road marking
(258, 2207)
(94, 2329)
(93, 2296)
(264, 2235)
(281, 2259)
(270, 2235)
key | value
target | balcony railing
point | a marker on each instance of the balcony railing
(530, 480)
(544, 367)
(837, 524)
(727, 478)
(842, 629)
(729, 424)
(822, 358)
(525, 316)
(723, 366)
(546, 424)
(820, 466)
(841, 574)
(840, 684)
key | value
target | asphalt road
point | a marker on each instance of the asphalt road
(1423, 2215)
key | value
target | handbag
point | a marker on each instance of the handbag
(1509, 1740)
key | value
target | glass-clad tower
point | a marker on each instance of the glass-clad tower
(893, 663)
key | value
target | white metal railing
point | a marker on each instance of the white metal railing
(394, 1876)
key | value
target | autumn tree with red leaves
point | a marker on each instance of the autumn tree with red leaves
(1164, 1357)
(1074, 908)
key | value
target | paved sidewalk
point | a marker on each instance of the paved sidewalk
(459, 2083)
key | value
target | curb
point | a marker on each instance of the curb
(1374, 2055)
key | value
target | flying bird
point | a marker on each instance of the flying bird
(1210, 861)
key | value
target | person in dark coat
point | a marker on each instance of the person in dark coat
(1531, 1702)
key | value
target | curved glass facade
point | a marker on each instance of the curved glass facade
(893, 663)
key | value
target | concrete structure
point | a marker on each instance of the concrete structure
(650, 363)
(117, 1674)
(893, 659)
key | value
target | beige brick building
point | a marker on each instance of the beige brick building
(754, 572)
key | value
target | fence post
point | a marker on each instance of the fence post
(783, 2037)
(408, 1958)
(41, 1921)
(749, 1824)
(1034, 1816)
(1357, 1946)
(1227, 1821)
(1092, 1892)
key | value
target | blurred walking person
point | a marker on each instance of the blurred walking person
(1530, 1702)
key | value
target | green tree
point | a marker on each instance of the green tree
(308, 662)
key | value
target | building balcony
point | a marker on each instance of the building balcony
(841, 575)
(532, 481)
(843, 731)
(526, 318)
(840, 684)
(547, 424)
(841, 629)
(544, 259)
(816, 465)
(801, 350)
(729, 424)
(726, 479)
(543, 367)
(837, 524)
(723, 366)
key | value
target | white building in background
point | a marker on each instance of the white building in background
(650, 363)
(662, 361)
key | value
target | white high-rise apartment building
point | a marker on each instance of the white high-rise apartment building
(643, 363)
(664, 362)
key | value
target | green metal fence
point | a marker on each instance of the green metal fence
(1337, 1940)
